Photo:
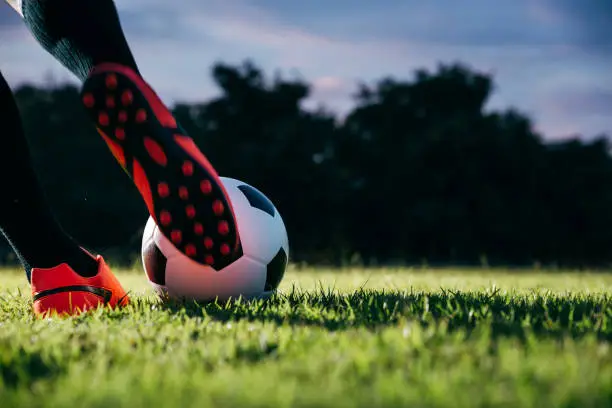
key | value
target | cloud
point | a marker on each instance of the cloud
(334, 91)
(11, 25)
(8, 18)
(584, 101)
(441, 22)
(535, 49)
(592, 18)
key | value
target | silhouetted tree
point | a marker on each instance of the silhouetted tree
(419, 170)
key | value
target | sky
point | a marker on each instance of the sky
(552, 59)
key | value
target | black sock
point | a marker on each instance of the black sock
(79, 33)
(25, 219)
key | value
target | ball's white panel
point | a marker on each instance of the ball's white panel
(147, 236)
(260, 233)
(187, 279)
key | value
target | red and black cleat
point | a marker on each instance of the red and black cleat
(63, 291)
(178, 184)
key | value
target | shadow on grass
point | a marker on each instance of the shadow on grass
(506, 315)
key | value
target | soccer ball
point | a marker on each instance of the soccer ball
(255, 274)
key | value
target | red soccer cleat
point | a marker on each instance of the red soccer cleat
(62, 290)
(180, 187)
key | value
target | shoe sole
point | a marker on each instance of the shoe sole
(181, 189)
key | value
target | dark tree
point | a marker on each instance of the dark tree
(419, 170)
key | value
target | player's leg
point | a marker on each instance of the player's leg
(180, 187)
(49, 256)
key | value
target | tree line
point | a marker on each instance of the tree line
(418, 171)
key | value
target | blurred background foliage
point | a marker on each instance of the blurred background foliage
(418, 172)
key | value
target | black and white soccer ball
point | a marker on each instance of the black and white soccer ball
(255, 274)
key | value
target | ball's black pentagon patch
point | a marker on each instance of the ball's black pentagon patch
(276, 270)
(257, 199)
(155, 263)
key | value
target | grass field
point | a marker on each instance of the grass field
(377, 338)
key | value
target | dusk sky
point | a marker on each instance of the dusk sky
(551, 58)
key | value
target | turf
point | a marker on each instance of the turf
(370, 338)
